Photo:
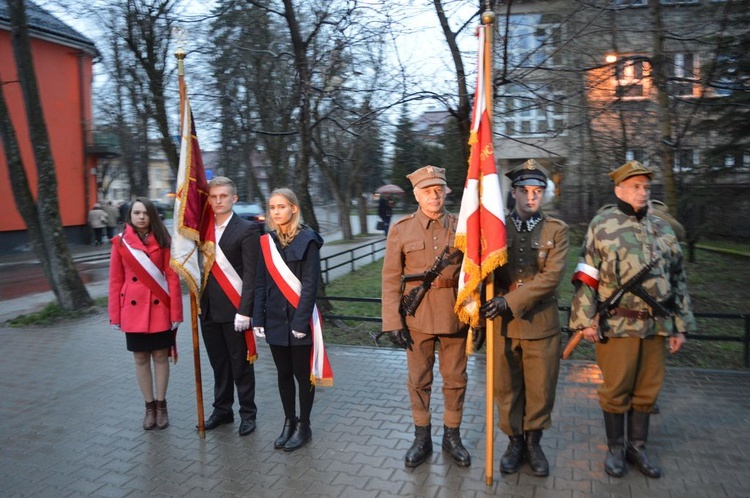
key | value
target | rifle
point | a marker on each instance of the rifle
(410, 301)
(604, 309)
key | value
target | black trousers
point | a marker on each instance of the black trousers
(227, 353)
(293, 363)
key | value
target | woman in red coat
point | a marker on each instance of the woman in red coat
(145, 302)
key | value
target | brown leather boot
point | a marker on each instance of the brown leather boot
(149, 421)
(162, 417)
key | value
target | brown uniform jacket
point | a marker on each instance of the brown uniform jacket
(412, 246)
(536, 262)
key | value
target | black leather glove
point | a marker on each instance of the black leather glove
(400, 338)
(480, 334)
(495, 307)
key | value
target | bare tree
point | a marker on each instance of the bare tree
(42, 217)
(148, 35)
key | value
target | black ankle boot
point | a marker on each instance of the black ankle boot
(453, 445)
(636, 449)
(301, 435)
(534, 454)
(512, 459)
(614, 425)
(421, 448)
(289, 425)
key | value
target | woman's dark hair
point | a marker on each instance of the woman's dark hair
(157, 226)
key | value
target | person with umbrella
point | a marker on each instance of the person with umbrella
(385, 211)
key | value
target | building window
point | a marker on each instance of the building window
(683, 74)
(532, 43)
(637, 155)
(633, 78)
(726, 81)
(685, 160)
(623, 4)
(676, 2)
(524, 113)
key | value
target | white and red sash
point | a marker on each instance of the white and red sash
(321, 373)
(151, 276)
(231, 283)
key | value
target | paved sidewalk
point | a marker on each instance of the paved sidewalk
(71, 426)
(71, 418)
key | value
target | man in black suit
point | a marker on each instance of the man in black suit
(226, 305)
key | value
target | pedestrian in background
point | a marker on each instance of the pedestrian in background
(145, 302)
(97, 220)
(226, 307)
(113, 215)
(630, 340)
(528, 338)
(385, 211)
(286, 290)
(413, 245)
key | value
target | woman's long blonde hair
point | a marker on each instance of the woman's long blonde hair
(294, 225)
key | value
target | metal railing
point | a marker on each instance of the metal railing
(350, 257)
(744, 339)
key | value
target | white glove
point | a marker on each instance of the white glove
(241, 322)
(298, 335)
(115, 326)
(175, 325)
(259, 332)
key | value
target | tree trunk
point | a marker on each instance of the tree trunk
(666, 145)
(44, 223)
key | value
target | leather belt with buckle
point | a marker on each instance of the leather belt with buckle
(445, 283)
(632, 314)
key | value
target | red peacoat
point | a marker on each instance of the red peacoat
(132, 305)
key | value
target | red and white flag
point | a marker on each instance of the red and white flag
(481, 221)
(193, 216)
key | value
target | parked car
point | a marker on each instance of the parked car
(253, 212)
(161, 207)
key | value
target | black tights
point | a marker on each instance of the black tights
(294, 362)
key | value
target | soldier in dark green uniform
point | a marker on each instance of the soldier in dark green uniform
(414, 242)
(527, 334)
(619, 242)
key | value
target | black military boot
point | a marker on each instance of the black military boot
(453, 445)
(614, 424)
(421, 448)
(636, 450)
(512, 459)
(534, 454)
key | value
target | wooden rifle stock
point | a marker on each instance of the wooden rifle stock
(572, 343)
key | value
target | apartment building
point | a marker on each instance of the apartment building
(578, 89)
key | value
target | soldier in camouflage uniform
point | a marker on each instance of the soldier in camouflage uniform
(527, 352)
(619, 242)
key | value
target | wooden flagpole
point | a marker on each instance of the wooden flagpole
(180, 54)
(488, 20)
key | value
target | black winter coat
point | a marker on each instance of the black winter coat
(272, 310)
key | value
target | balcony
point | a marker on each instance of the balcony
(104, 146)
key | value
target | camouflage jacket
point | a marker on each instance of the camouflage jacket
(616, 247)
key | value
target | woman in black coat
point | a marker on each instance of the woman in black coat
(286, 327)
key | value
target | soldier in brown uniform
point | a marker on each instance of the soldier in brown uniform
(413, 244)
(528, 339)
(630, 341)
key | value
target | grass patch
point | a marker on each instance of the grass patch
(716, 281)
(53, 314)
